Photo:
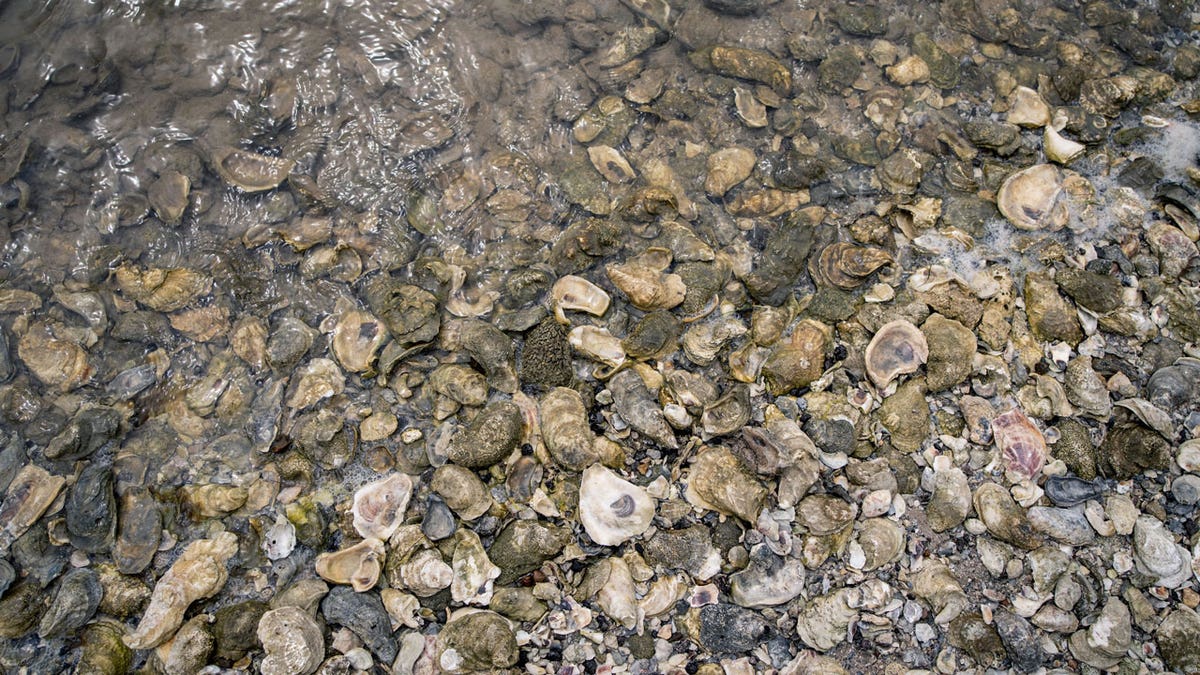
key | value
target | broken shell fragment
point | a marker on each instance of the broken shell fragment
(612, 509)
(379, 506)
(898, 348)
(1059, 149)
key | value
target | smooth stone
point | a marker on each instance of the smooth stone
(1069, 490)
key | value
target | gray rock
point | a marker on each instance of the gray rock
(438, 523)
(37, 558)
(365, 616)
(729, 629)
(234, 629)
(1186, 489)
(7, 575)
(1069, 526)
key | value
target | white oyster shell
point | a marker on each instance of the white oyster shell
(359, 565)
(379, 506)
(474, 573)
(612, 509)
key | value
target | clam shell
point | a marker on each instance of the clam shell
(611, 509)
(379, 506)
(898, 348)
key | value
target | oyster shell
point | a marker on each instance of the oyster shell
(935, 584)
(30, 493)
(768, 580)
(577, 294)
(198, 573)
(355, 340)
(566, 430)
(379, 506)
(727, 168)
(474, 573)
(614, 592)
(491, 436)
(637, 406)
(426, 573)
(645, 281)
(359, 565)
(292, 641)
(462, 491)
(898, 348)
(314, 382)
(1022, 446)
(1027, 109)
(249, 171)
(612, 509)
(703, 341)
(279, 540)
(54, 358)
(1031, 198)
(798, 360)
(719, 481)
(847, 265)
(611, 164)
(598, 345)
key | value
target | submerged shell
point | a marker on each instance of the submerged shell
(379, 506)
(612, 509)
(358, 565)
(578, 294)
(249, 171)
(1030, 198)
(1021, 445)
(847, 265)
(645, 282)
(637, 406)
(898, 348)
(356, 338)
(198, 573)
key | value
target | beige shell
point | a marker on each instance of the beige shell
(315, 381)
(703, 340)
(578, 294)
(727, 168)
(199, 572)
(356, 338)
(292, 641)
(474, 573)
(616, 597)
(462, 491)
(1027, 109)
(598, 345)
(1059, 149)
(644, 280)
(1031, 199)
(565, 429)
(751, 111)
(379, 506)
(249, 171)
(612, 509)
(896, 349)
(720, 482)
(611, 164)
(426, 573)
(401, 607)
(359, 565)
(29, 494)
(663, 594)
(847, 265)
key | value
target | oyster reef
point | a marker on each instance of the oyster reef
(575, 337)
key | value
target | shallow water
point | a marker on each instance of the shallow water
(446, 145)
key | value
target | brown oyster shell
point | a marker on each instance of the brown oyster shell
(898, 348)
